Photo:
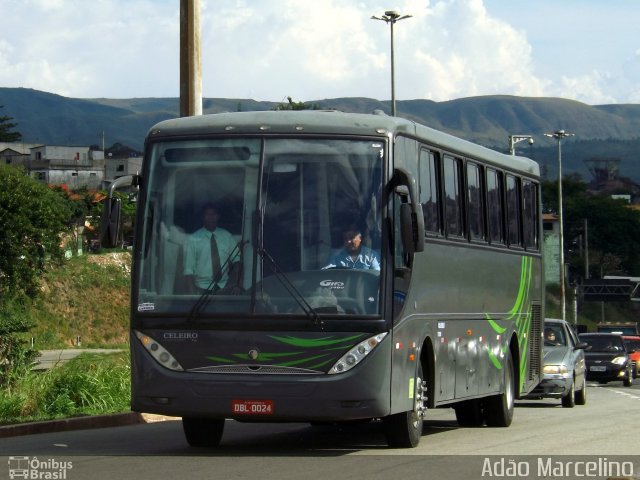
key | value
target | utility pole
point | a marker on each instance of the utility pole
(190, 59)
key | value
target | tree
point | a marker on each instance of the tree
(6, 135)
(613, 229)
(32, 219)
(291, 105)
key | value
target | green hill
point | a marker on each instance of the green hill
(609, 131)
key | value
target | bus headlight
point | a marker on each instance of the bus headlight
(157, 351)
(356, 354)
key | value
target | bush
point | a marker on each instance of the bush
(32, 219)
(90, 384)
(16, 356)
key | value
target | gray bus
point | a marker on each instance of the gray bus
(368, 268)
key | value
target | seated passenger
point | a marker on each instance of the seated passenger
(354, 254)
(550, 337)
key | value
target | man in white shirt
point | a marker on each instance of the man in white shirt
(212, 261)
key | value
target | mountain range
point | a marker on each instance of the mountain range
(602, 132)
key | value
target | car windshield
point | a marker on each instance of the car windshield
(605, 343)
(632, 344)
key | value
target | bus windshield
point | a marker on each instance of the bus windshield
(261, 226)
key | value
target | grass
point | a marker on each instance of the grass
(90, 384)
(88, 297)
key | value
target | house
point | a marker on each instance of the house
(118, 167)
(75, 166)
(15, 153)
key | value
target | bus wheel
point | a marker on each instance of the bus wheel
(203, 432)
(469, 413)
(404, 430)
(498, 410)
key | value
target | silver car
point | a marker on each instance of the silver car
(564, 366)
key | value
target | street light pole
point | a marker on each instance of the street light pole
(391, 17)
(559, 135)
(513, 139)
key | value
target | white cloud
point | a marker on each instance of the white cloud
(270, 49)
(587, 88)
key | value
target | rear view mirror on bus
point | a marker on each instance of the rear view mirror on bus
(411, 218)
(110, 222)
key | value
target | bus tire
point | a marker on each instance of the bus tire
(203, 432)
(498, 409)
(404, 429)
(469, 413)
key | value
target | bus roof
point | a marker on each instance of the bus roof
(330, 122)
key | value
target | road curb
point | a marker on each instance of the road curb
(80, 423)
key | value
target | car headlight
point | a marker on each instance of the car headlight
(619, 360)
(356, 354)
(555, 369)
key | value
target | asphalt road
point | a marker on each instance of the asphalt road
(601, 431)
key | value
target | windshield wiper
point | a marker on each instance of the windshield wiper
(213, 285)
(302, 302)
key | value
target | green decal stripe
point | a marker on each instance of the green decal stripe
(221, 359)
(521, 314)
(315, 342)
(267, 356)
(298, 362)
(319, 365)
(494, 325)
(495, 360)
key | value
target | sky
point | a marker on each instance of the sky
(267, 50)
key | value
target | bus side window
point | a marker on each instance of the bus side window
(530, 214)
(453, 198)
(494, 206)
(513, 211)
(429, 191)
(475, 210)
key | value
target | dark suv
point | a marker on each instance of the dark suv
(606, 358)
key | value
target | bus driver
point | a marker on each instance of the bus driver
(354, 254)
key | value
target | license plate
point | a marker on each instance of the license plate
(252, 407)
(598, 369)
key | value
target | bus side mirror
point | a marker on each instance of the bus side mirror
(110, 222)
(112, 211)
(411, 217)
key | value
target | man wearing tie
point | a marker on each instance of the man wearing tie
(212, 261)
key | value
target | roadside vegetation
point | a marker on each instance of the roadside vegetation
(90, 384)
